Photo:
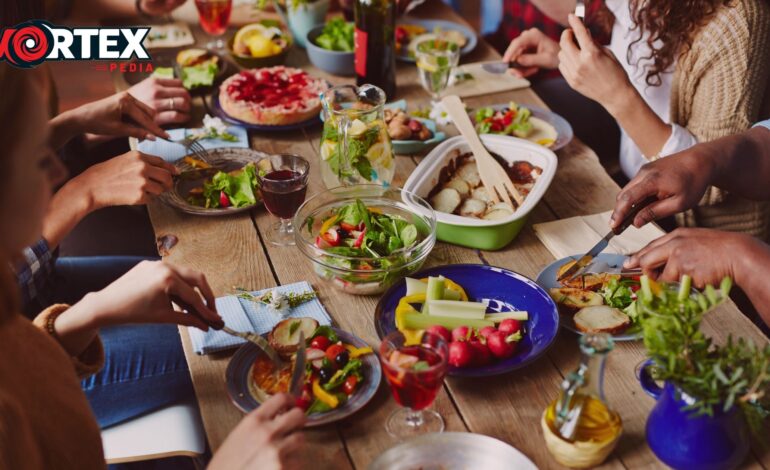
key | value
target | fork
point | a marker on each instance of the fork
(601, 267)
(191, 144)
(580, 9)
(494, 177)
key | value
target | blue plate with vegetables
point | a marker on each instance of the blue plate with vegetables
(495, 320)
(342, 376)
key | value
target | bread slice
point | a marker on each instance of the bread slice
(587, 282)
(570, 300)
(601, 319)
(285, 335)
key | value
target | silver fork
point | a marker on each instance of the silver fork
(261, 343)
(580, 9)
(191, 144)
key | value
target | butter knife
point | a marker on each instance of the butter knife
(500, 67)
(582, 263)
(298, 376)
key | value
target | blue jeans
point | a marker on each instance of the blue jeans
(145, 368)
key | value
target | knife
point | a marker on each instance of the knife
(582, 263)
(298, 376)
(500, 67)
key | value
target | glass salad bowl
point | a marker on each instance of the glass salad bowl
(363, 238)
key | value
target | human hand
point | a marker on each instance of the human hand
(706, 255)
(533, 51)
(265, 439)
(591, 69)
(678, 181)
(159, 7)
(167, 96)
(129, 179)
(118, 115)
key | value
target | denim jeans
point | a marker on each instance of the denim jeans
(145, 368)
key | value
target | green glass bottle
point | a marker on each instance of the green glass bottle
(375, 42)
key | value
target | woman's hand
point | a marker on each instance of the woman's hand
(533, 51)
(592, 69)
(268, 438)
(167, 96)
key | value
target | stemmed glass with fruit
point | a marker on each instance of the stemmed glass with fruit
(214, 16)
(415, 373)
(436, 60)
(283, 191)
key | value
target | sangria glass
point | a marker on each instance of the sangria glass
(415, 373)
(214, 18)
(436, 60)
(283, 191)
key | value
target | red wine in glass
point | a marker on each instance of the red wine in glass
(214, 17)
(416, 389)
(283, 192)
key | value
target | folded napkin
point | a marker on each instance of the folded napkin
(577, 235)
(245, 315)
(172, 152)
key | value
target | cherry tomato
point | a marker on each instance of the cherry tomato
(350, 385)
(224, 201)
(320, 342)
(333, 350)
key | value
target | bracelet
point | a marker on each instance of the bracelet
(142, 13)
(49, 323)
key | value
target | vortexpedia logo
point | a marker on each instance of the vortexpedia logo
(28, 44)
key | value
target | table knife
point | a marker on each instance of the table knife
(298, 376)
(500, 67)
(582, 263)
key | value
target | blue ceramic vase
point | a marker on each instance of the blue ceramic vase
(684, 441)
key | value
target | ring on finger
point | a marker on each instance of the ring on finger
(171, 103)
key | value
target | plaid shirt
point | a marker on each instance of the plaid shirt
(521, 15)
(34, 272)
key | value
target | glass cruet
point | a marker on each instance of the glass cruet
(355, 146)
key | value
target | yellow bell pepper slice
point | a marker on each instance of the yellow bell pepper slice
(325, 397)
(358, 352)
(328, 223)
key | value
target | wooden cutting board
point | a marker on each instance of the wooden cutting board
(483, 82)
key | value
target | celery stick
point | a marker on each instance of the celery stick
(434, 291)
(450, 294)
(498, 317)
(415, 286)
(418, 321)
(457, 309)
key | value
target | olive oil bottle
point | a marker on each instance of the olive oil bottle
(375, 44)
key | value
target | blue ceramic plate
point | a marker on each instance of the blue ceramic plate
(547, 280)
(239, 373)
(216, 110)
(564, 132)
(432, 25)
(506, 291)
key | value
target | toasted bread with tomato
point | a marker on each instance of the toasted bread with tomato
(285, 335)
(586, 282)
(570, 300)
(601, 319)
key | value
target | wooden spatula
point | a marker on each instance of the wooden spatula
(494, 177)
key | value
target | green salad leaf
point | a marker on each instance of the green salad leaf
(199, 75)
(240, 187)
(337, 35)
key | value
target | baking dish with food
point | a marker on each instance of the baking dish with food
(479, 233)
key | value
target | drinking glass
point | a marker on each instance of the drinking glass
(214, 17)
(415, 373)
(436, 60)
(283, 191)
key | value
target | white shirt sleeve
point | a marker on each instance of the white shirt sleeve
(680, 139)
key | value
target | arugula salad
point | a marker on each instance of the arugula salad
(237, 188)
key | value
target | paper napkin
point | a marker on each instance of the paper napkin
(172, 152)
(245, 315)
(577, 235)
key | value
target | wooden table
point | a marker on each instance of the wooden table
(232, 252)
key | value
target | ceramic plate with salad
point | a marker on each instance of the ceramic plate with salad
(342, 373)
(599, 302)
(226, 185)
(410, 31)
(535, 124)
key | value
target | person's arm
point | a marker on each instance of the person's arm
(742, 163)
(557, 10)
(90, 10)
(33, 269)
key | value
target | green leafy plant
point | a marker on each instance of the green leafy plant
(717, 377)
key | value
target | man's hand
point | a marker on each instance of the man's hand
(532, 50)
(166, 96)
(159, 7)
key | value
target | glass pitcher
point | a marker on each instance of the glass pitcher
(355, 146)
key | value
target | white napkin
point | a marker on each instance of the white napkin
(245, 315)
(172, 152)
(577, 235)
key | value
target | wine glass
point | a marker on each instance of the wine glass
(415, 373)
(283, 191)
(436, 60)
(214, 17)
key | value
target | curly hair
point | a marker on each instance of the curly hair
(672, 22)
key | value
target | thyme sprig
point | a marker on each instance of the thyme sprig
(294, 299)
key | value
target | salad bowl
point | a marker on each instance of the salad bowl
(363, 238)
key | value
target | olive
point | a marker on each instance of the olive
(342, 359)
(326, 374)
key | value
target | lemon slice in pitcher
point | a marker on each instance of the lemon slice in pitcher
(380, 154)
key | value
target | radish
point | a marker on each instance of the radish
(224, 201)
(359, 240)
(321, 243)
(439, 330)
(481, 353)
(509, 326)
(332, 237)
(460, 354)
(486, 331)
(462, 333)
(503, 346)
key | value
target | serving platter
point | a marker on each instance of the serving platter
(443, 25)
(452, 451)
(564, 133)
(226, 159)
(238, 375)
(505, 290)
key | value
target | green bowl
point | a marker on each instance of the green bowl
(489, 238)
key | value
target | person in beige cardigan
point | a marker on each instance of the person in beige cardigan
(45, 420)
(674, 74)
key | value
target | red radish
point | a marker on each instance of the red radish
(484, 332)
(502, 346)
(509, 326)
(332, 237)
(314, 353)
(460, 354)
(321, 243)
(481, 353)
(360, 239)
(439, 330)
(224, 201)
(462, 333)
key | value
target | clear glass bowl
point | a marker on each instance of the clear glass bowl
(344, 272)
